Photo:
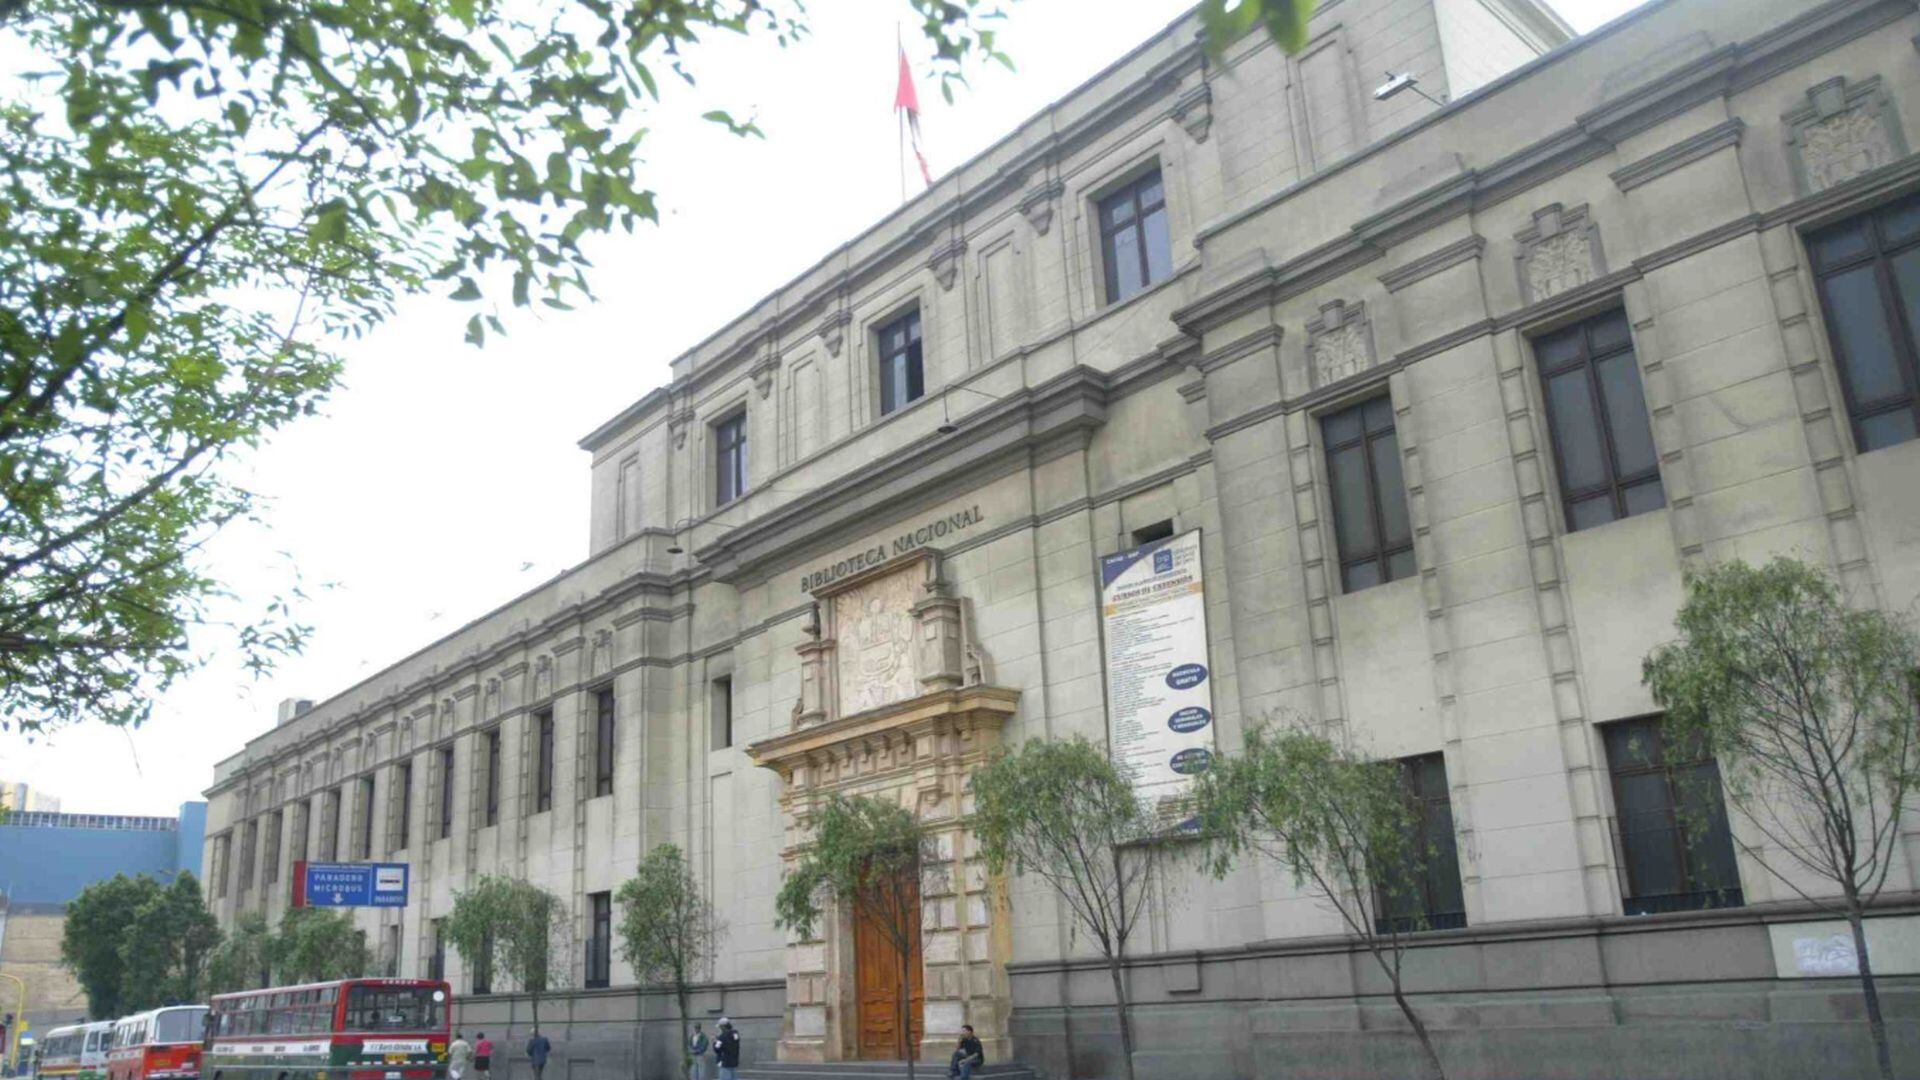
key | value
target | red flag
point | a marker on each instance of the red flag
(907, 99)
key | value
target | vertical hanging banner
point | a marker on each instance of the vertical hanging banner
(1153, 620)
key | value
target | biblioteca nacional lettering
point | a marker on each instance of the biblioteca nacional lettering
(1419, 405)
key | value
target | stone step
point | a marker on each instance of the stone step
(876, 1070)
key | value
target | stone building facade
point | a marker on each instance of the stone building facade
(1453, 393)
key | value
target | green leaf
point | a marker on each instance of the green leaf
(469, 290)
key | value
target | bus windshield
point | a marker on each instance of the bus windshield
(395, 1008)
(178, 1025)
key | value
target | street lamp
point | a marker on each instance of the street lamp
(1397, 83)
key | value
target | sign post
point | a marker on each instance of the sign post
(1153, 621)
(378, 885)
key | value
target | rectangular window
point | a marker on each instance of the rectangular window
(1134, 245)
(364, 842)
(1147, 534)
(901, 374)
(1868, 272)
(1371, 529)
(600, 941)
(249, 847)
(446, 792)
(390, 950)
(1597, 418)
(276, 826)
(483, 966)
(543, 761)
(437, 963)
(1676, 853)
(1430, 897)
(723, 712)
(603, 742)
(335, 800)
(403, 814)
(493, 777)
(730, 458)
(223, 864)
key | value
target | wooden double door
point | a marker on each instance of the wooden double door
(876, 965)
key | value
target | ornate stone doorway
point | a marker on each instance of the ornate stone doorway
(895, 704)
(876, 965)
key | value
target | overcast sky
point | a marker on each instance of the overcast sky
(443, 481)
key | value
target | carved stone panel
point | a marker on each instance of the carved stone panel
(873, 632)
(1339, 342)
(1841, 132)
(1559, 251)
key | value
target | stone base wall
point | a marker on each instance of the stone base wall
(1677, 998)
(619, 1034)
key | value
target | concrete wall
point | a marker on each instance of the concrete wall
(30, 951)
(42, 864)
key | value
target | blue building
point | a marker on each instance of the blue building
(48, 857)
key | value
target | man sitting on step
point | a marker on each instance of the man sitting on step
(968, 1056)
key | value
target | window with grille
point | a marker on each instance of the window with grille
(1427, 894)
(730, 458)
(493, 777)
(600, 940)
(1868, 273)
(902, 374)
(1135, 248)
(1676, 852)
(603, 742)
(543, 761)
(1371, 529)
(1597, 419)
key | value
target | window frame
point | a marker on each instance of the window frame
(1613, 484)
(365, 839)
(1901, 330)
(1381, 554)
(492, 738)
(276, 828)
(1423, 813)
(403, 829)
(446, 792)
(605, 739)
(730, 438)
(1632, 900)
(599, 973)
(1105, 239)
(913, 356)
(543, 760)
(720, 694)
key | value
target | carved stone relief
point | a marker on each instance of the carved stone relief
(1841, 132)
(1339, 342)
(601, 659)
(873, 625)
(1559, 251)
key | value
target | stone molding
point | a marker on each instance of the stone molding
(1424, 267)
(1685, 152)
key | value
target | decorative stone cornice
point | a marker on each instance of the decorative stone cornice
(964, 709)
(833, 329)
(1685, 152)
(945, 262)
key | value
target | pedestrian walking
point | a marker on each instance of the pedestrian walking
(967, 1056)
(459, 1057)
(726, 1050)
(538, 1048)
(697, 1046)
(483, 1057)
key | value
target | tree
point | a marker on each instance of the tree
(1342, 825)
(95, 929)
(1285, 21)
(166, 947)
(514, 928)
(317, 945)
(668, 930)
(868, 858)
(205, 199)
(244, 961)
(1808, 705)
(1061, 810)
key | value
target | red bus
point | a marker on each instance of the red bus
(353, 1029)
(161, 1044)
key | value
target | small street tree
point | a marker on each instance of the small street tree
(1063, 812)
(244, 961)
(668, 930)
(317, 944)
(1808, 706)
(1342, 825)
(868, 858)
(514, 928)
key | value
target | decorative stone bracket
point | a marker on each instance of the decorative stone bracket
(833, 329)
(1037, 205)
(1194, 112)
(945, 262)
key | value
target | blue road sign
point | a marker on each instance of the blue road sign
(356, 885)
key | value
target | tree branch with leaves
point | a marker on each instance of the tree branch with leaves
(668, 929)
(1807, 703)
(514, 928)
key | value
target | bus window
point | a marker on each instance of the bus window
(383, 1008)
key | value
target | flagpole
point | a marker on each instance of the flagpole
(900, 50)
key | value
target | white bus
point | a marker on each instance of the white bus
(74, 1052)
